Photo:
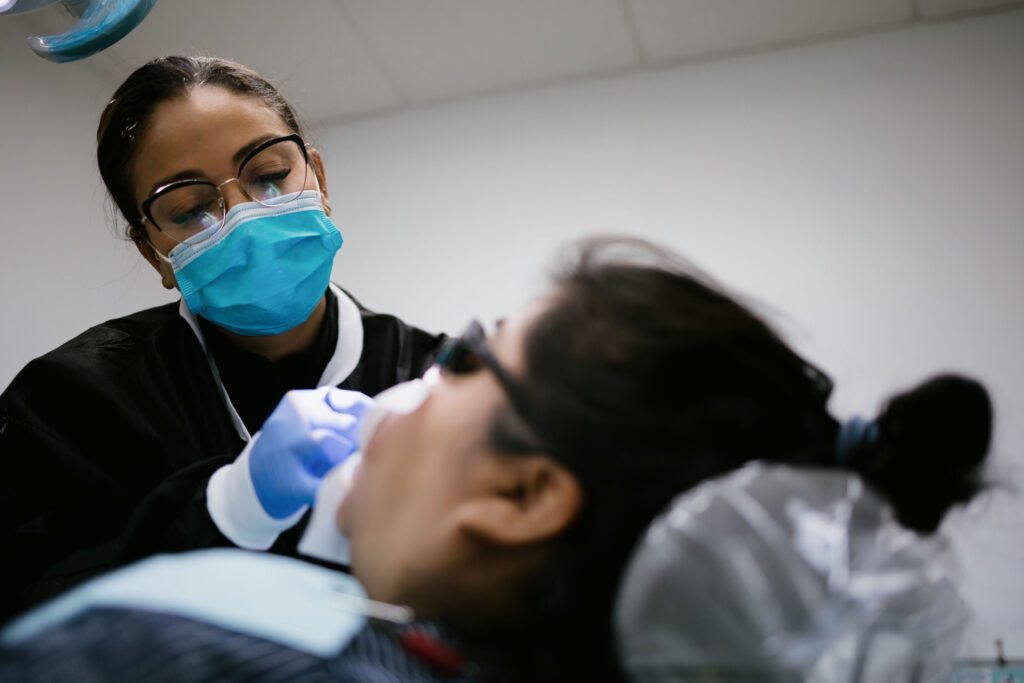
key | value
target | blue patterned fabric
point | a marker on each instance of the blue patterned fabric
(112, 645)
(278, 598)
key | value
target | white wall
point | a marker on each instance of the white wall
(870, 189)
(62, 267)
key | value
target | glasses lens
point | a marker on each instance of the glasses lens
(274, 172)
(188, 210)
(458, 358)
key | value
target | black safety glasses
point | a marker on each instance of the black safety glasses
(468, 353)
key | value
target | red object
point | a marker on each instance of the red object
(444, 659)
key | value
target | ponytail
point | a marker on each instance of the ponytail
(926, 449)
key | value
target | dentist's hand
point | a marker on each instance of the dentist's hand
(308, 433)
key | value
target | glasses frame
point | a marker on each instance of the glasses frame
(474, 339)
(147, 204)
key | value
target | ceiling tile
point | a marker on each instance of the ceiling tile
(679, 29)
(929, 8)
(306, 48)
(446, 48)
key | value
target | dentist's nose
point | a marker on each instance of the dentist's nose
(231, 190)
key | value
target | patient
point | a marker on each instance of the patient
(503, 510)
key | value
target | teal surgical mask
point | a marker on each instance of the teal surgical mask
(264, 269)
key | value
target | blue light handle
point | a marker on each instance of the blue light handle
(102, 23)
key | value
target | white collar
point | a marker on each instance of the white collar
(347, 351)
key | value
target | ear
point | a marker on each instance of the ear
(317, 162)
(528, 499)
(160, 266)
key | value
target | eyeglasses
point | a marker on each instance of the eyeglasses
(271, 174)
(468, 352)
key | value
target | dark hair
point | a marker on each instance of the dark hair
(646, 379)
(126, 116)
(931, 444)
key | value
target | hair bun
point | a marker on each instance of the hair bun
(933, 441)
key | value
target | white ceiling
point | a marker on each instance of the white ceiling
(341, 59)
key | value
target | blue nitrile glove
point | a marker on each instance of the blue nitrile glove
(309, 432)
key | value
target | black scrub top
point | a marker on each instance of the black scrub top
(107, 442)
(256, 384)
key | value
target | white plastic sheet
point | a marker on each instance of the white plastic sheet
(777, 574)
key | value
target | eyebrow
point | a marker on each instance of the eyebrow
(193, 174)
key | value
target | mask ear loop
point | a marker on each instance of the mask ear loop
(149, 243)
(158, 254)
(324, 202)
(142, 221)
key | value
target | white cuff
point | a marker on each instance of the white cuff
(236, 510)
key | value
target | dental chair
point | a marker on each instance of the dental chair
(776, 574)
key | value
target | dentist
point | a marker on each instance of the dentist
(108, 441)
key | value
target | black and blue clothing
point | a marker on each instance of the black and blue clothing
(222, 615)
(107, 442)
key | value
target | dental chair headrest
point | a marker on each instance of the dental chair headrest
(777, 574)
